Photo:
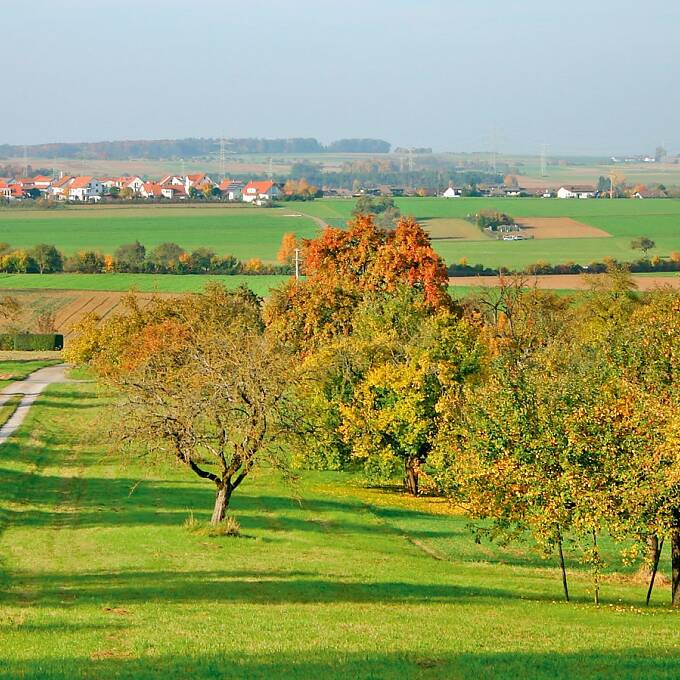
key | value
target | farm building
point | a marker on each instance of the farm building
(576, 192)
(452, 192)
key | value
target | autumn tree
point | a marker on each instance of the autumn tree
(199, 381)
(289, 244)
(342, 266)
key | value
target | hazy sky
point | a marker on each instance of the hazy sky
(598, 76)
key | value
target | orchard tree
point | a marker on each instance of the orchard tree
(200, 382)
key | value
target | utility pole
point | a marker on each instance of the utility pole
(25, 161)
(544, 160)
(494, 148)
(222, 158)
(297, 264)
(271, 168)
(611, 186)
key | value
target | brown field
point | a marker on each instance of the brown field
(445, 228)
(69, 306)
(558, 227)
(566, 281)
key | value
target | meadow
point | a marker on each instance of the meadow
(99, 577)
(248, 232)
(143, 283)
(244, 232)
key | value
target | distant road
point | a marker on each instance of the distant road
(567, 281)
(31, 388)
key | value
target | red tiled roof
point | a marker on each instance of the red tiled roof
(81, 182)
(260, 187)
(152, 188)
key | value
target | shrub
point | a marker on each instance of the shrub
(32, 342)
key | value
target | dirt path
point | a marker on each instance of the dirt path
(31, 388)
(565, 281)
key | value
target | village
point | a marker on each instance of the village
(88, 189)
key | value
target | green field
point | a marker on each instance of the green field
(243, 232)
(99, 578)
(143, 283)
(252, 232)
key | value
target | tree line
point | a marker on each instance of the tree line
(540, 415)
(164, 149)
(131, 258)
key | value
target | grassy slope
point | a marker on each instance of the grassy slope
(99, 579)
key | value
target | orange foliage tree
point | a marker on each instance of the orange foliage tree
(289, 244)
(342, 266)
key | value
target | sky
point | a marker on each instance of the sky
(596, 77)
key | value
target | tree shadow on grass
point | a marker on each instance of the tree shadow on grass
(127, 588)
(338, 664)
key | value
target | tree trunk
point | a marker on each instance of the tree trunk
(563, 567)
(411, 479)
(596, 573)
(221, 503)
(675, 568)
(654, 553)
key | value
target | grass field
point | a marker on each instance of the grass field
(144, 283)
(243, 232)
(99, 578)
(252, 232)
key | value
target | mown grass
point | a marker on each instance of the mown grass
(100, 578)
(12, 370)
(8, 408)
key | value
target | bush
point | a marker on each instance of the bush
(31, 342)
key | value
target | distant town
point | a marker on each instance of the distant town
(201, 186)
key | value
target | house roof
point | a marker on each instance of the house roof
(81, 182)
(152, 188)
(175, 188)
(579, 187)
(60, 183)
(259, 187)
(42, 178)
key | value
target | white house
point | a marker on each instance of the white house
(135, 184)
(451, 192)
(576, 192)
(171, 191)
(172, 179)
(85, 188)
(260, 192)
(59, 188)
(198, 181)
(151, 190)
